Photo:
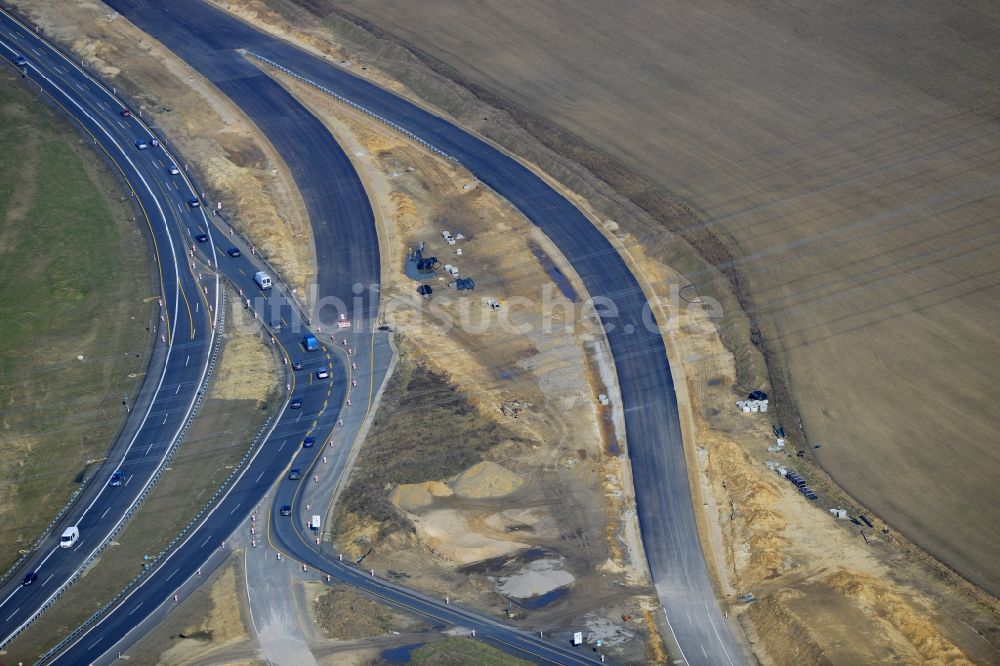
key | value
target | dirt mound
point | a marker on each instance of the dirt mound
(875, 598)
(486, 479)
(785, 636)
(411, 497)
(451, 535)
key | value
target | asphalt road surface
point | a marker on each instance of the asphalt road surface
(207, 38)
(177, 366)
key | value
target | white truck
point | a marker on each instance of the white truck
(262, 279)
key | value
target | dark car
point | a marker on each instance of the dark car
(117, 479)
(276, 324)
(233, 252)
(201, 238)
(29, 578)
(296, 365)
(296, 403)
(308, 442)
(194, 202)
(286, 510)
(20, 61)
(125, 113)
(295, 475)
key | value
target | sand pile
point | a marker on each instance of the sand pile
(414, 497)
(485, 479)
(455, 537)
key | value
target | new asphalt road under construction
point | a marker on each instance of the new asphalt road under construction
(347, 252)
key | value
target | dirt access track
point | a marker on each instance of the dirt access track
(839, 163)
(768, 545)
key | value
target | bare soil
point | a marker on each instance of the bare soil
(836, 165)
(535, 356)
(227, 153)
(208, 627)
(777, 208)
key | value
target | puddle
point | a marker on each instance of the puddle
(557, 276)
(401, 654)
(542, 600)
(533, 583)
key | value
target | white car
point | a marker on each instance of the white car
(173, 170)
(323, 374)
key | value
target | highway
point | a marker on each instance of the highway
(346, 246)
(207, 38)
(186, 335)
(282, 449)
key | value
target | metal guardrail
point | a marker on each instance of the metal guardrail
(354, 105)
(274, 273)
(45, 533)
(149, 488)
(99, 614)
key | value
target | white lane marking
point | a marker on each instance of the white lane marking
(129, 479)
(180, 208)
(234, 509)
(121, 124)
(135, 609)
(722, 644)
(178, 389)
(187, 360)
(282, 445)
(204, 544)
(105, 512)
(78, 546)
(259, 477)
(171, 575)
(48, 579)
(12, 614)
(173, 256)
(9, 596)
(164, 417)
(94, 644)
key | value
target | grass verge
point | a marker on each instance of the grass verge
(462, 652)
(73, 330)
(215, 443)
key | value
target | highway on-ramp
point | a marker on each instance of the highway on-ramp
(207, 38)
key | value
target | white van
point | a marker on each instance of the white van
(262, 279)
(69, 537)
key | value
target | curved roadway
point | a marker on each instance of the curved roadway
(178, 364)
(346, 241)
(206, 38)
